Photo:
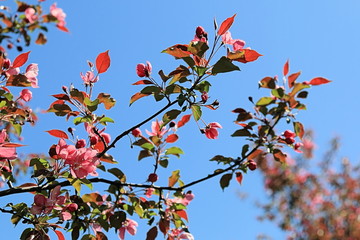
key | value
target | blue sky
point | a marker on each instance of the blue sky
(319, 37)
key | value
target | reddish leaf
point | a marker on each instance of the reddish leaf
(319, 81)
(12, 145)
(63, 28)
(152, 233)
(292, 78)
(20, 60)
(239, 177)
(102, 62)
(182, 214)
(137, 96)
(27, 185)
(164, 226)
(225, 25)
(107, 158)
(279, 156)
(59, 235)
(61, 96)
(172, 138)
(299, 129)
(142, 82)
(184, 120)
(58, 133)
(244, 55)
(101, 236)
(178, 51)
(286, 68)
(254, 154)
(41, 39)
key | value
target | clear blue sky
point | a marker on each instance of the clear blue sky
(321, 38)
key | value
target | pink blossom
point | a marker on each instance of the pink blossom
(211, 131)
(31, 73)
(142, 70)
(89, 78)
(6, 152)
(59, 14)
(181, 234)
(204, 97)
(156, 129)
(30, 15)
(129, 226)
(43, 204)
(26, 95)
(236, 43)
(149, 192)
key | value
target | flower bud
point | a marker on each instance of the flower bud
(136, 132)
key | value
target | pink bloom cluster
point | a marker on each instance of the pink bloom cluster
(82, 161)
(236, 43)
(6, 152)
(30, 15)
(180, 234)
(59, 14)
(129, 226)
(188, 197)
(31, 72)
(143, 70)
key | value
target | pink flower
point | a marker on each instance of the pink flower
(43, 204)
(211, 131)
(129, 226)
(59, 14)
(32, 71)
(30, 15)
(89, 78)
(181, 234)
(149, 192)
(204, 97)
(26, 95)
(142, 70)
(6, 152)
(156, 129)
(236, 43)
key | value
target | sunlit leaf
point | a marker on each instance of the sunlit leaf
(137, 96)
(58, 133)
(175, 176)
(20, 60)
(299, 129)
(196, 112)
(172, 138)
(319, 81)
(178, 51)
(225, 25)
(103, 62)
(239, 177)
(174, 151)
(286, 68)
(279, 155)
(292, 79)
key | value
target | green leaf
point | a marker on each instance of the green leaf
(173, 88)
(265, 101)
(170, 115)
(200, 70)
(143, 154)
(279, 92)
(299, 129)
(174, 151)
(225, 180)
(150, 90)
(189, 60)
(196, 111)
(175, 176)
(302, 94)
(224, 65)
(106, 119)
(118, 173)
(164, 163)
(241, 133)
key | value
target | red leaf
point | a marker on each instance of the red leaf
(172, 138)
(63, 28)
(182, 214)
(137, 96)
(319, 81)
(58, 133)
(164, 226)
(184, 120)
(103, 62)
(12, 145)
(59, 235)
(286, 68)
(140, 82)
(20, 60)
(239, 177)
(292, 78)
(225, 25)
(254, 154)
(27, 185)
(244, 55)
(178, 51)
